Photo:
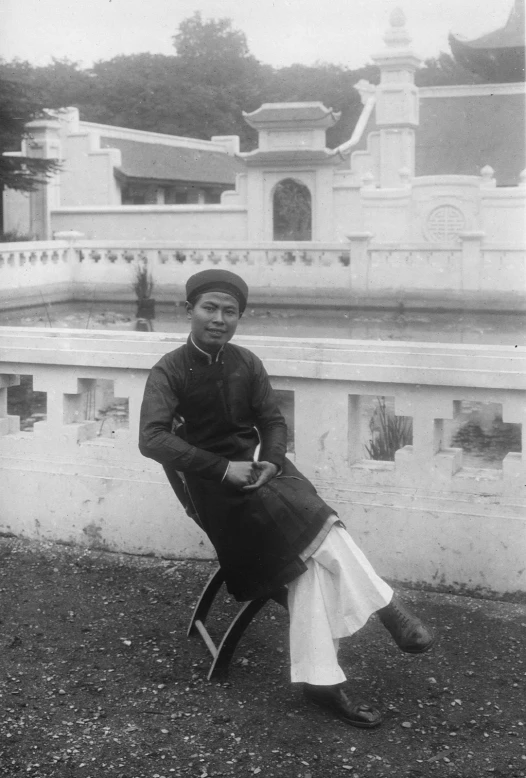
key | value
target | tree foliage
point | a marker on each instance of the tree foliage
(202, 89)
(444, 70)
(19, 104)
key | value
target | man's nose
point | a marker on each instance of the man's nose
(218, 316)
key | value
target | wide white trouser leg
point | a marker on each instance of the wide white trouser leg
(334, 598)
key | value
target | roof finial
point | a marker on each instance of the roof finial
(397, 18)
(397, 35)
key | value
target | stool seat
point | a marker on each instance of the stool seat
(222, 653)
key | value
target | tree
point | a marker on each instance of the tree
(444, 71)
(203, 89)
(19, 105)
(212, 45)
(215, 59)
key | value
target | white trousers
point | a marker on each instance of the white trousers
(333, 599)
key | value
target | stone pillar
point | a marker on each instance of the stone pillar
(471, 259)
(44, 143)
(359, 245)
(396, 103)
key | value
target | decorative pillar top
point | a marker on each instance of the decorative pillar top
(43, 138)
(398, 54)
(396, 35)
(397, 95)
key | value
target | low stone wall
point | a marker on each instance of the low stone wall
(424, 518)
(469, 274)
(154, 222)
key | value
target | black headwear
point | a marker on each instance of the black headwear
(217, 281)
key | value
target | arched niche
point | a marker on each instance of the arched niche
(291, 211)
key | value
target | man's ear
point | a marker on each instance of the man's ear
(189, 308)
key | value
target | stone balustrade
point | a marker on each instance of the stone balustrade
(425, 517)
(467, 273)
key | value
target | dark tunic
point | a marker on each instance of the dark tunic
(196, 416)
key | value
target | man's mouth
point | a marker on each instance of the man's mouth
(216, 332)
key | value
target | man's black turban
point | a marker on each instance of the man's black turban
(217, 281)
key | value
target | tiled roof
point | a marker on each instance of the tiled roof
(462, 134)
(458, 135)
(172, 163)
(509, 36)
(292, 157)
(286, 113)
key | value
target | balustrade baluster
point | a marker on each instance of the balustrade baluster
(514, 464)
(428, 460)
(65, 418)
(8, 424)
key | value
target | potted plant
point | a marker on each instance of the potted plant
(143, 287)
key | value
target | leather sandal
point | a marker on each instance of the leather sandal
(407, 630)
(335, 700)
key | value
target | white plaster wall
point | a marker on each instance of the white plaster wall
(503, 216)
(141, 222)
(16, 212)
(386, 214)
(87, 176)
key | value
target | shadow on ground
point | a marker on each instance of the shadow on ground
(97, 679)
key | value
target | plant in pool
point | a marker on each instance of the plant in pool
(143, 287)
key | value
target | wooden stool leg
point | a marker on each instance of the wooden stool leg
(205, 601)
(232, 637)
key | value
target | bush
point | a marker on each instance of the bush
(13, 236)
(491, 446)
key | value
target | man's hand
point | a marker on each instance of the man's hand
(241, 474)
(265, 471)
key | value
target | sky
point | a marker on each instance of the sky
(279, 32)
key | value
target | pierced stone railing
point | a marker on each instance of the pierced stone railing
(357, 272)
(425, 517)
(219, 256)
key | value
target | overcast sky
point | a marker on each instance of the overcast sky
(279, 32)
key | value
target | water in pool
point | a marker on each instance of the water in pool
(357, 324)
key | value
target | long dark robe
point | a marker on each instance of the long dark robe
(199, 414)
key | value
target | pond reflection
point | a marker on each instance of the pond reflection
(356, 324)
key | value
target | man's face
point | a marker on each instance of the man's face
(213, 319)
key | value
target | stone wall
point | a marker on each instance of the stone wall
(467, 274)
(424, 518)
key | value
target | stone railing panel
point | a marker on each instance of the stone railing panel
(415, 268)
(503, 268)
(429, 514)
(33, 264)
(8, 424)
(343, 272)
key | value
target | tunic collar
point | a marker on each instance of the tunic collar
(203, 357)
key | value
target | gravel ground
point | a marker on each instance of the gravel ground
(98, 679)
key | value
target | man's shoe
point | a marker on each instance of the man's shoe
(409, 633)
(334, 699)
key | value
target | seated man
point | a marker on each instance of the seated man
(207, 405)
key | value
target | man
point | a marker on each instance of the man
(207, 405)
